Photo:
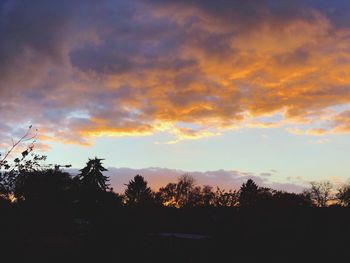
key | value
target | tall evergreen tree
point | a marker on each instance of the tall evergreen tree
(91, 176)
(137, 191)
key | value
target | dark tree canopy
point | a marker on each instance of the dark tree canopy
(320, 193)
(208, 195)
(184, 188)
(167, 195)
(49, 186)
(248, 194)
(137, 191)
(343, 195)
(11, 168)
(91, 176)
(223, 198)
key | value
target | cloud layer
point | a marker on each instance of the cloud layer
(193, 69)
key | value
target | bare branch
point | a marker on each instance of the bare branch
(26, 137)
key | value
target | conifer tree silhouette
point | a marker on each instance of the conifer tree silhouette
(91, 176)
(137, 191)
(248, 194)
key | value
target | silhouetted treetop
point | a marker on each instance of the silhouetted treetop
(167, 195)
(11, 168)
(343, 195)
(248, 194)
(320, 193)
(48, 186)
(184, 187)
(91, 176)
(137, 191)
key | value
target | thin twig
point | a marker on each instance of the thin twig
(14, 145)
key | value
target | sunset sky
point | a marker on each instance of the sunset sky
(239, 88)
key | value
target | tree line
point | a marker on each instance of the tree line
(33, 184)
(26, 179)
(47, 212)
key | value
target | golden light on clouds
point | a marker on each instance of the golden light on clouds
(182, 68)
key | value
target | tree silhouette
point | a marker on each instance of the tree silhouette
(183, 190)
(208, 195)
(111, 200)
(91, 176)
(343, 195)
(226, 199)
(11, 168)
(167, 195)
(320, 193)
(195, 197)
(181, 194)
(45, 187)
(248, 194)
(137, 191)
(284, 199)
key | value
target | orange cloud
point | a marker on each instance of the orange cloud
(181, 63)
(341, 123)
(190, 134)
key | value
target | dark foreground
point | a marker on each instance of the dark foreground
(175, 235)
